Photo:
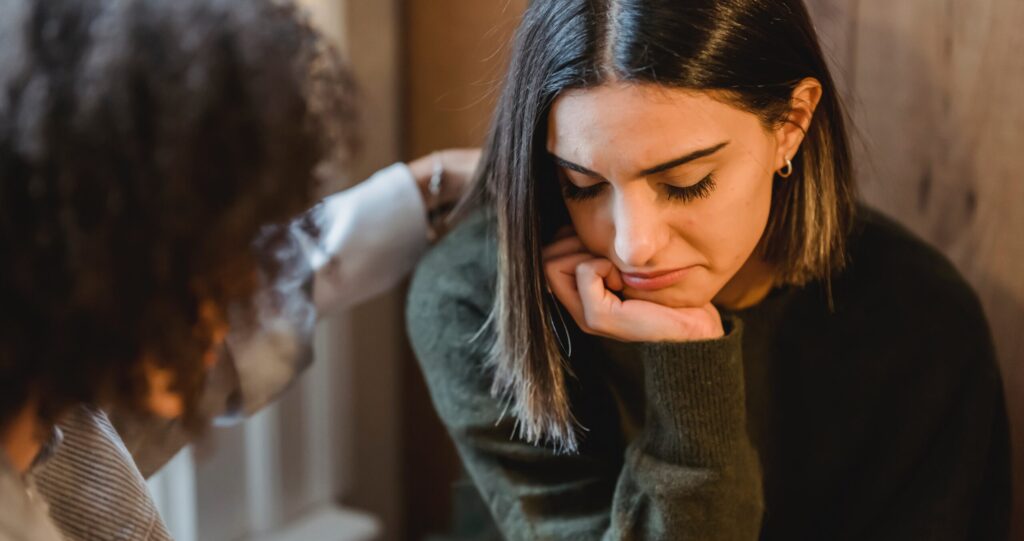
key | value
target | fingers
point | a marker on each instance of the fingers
(561, 278)
(614, 279)
(457, 167)
(597, 302)
(562, 270)
(563, 261)
(460, 162)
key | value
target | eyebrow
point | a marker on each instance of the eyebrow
(661, 168)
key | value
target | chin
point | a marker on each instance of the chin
(673, 297)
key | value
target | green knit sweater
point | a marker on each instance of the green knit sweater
(882, 418)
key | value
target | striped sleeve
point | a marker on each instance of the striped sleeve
(93, 488)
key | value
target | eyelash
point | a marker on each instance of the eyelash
(700, 190)
(574, 192)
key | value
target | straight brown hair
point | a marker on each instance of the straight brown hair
(749, 53)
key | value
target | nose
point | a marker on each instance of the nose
(639, 232)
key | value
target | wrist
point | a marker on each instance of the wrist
(429, 174)
(693, 325)
(422, 171)
(691, 331)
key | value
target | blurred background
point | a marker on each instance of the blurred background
(354, 450)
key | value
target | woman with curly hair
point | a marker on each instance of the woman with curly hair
(154, 157)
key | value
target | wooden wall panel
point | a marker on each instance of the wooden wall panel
(936, 88)
(456, 54)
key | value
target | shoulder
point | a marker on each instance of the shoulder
(462, 266)
(449, 303)
(882, 247)
(888, 259)
(905, 290)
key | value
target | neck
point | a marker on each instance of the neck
(748, 287)
(20, 441)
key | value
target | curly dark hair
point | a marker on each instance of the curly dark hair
(143, 144)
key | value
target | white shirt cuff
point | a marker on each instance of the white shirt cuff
(371, 236)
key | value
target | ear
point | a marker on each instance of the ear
(790, 134)
(162, 401)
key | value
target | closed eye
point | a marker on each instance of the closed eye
(686, 194)
(700, 190)
(576, 193)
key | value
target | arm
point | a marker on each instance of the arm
(691, 474)
(368, 238)
(371, 236)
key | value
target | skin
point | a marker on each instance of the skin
(621, 144)
(21, 441)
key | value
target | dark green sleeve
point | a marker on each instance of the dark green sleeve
(692, 474)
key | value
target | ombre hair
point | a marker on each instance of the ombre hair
(750, 54)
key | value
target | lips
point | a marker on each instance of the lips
(650, 281)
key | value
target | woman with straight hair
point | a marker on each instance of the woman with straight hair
(667, 316)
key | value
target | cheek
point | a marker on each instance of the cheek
(592, 226)
(728, 229)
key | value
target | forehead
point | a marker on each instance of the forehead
(641, 120)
